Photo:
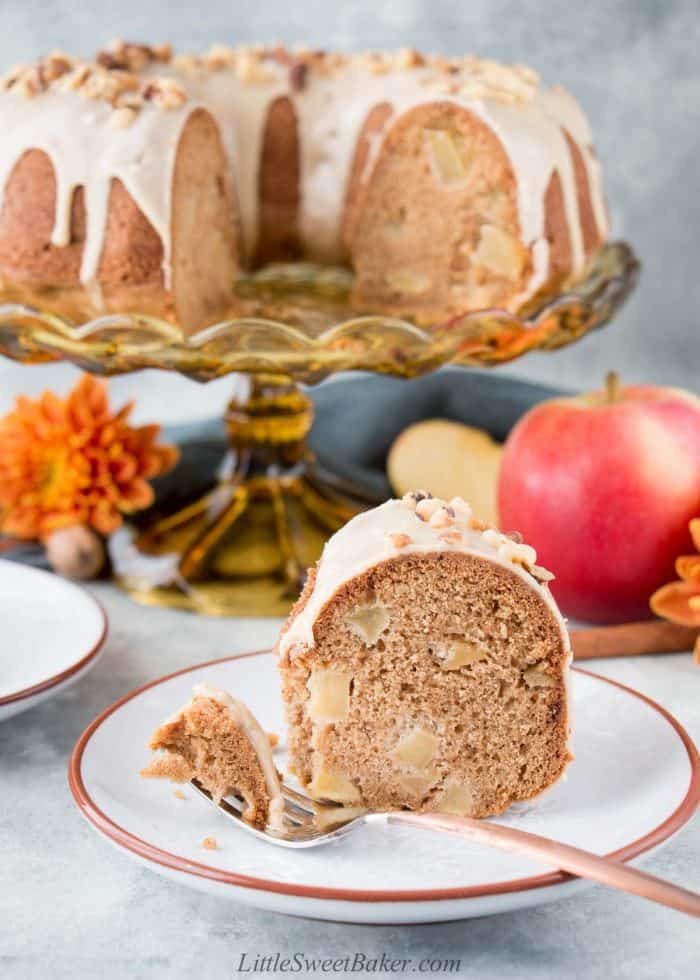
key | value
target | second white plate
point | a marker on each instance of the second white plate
(52, 633)
(634, 782)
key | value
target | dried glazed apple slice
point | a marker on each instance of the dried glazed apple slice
(416, 749)
(457, 798)
(368, 622)
(412, 283)
(329, 695)
(446, 156)
(499, 252)
(329, 784)
(537, 677)
(462, 653)
(417, 784)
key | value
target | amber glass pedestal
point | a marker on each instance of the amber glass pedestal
(243, 548)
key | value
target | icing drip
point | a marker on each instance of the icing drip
(563, 107)
(87, 150)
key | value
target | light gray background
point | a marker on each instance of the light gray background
(72, 907)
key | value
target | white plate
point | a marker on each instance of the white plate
(51, 634)
(635, 781)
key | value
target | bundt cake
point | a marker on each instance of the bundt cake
(426, 666)
(144, 181)
(217, 741)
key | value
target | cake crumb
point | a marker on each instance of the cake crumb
(179, 794)
(168, 766)
(209, 844)
(274, 739)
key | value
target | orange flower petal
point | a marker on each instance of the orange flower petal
(74, 460)
(673, 602)
(688, 568)
(695, 531)
(136, 496)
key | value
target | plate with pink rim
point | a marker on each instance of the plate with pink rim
(52, 634)
(634, 783)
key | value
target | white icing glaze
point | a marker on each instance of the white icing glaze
(87, 150)
(563, 107)
(244, 719)
(366, 541)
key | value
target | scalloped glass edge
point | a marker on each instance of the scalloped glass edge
(118, 343)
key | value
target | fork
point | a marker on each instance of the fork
(307, 823)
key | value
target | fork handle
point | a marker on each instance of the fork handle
(564, 856)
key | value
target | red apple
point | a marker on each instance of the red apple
(603, 486)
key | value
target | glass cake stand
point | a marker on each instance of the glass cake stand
(243, 548)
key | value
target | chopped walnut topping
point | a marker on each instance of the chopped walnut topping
(451, 537)
(280, 54)
(116, 85)
(30, 80)
(414, 497)
(132, 57)
(476, 525)
(541, 574)
(166, 93)
(219, 56)
(443, 517)
(409, 58)
(123, 117)
(188, 64)
(75, 79)
(399, 540)
(461, 509)
(250, 68)
(55, 66)
(426, 508)
(493, 537)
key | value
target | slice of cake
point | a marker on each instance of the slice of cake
(217, 741)
(425, 666)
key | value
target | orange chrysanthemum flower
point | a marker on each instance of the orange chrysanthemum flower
(73, 461)
(680, 601)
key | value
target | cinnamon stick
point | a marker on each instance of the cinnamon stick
(632, 639)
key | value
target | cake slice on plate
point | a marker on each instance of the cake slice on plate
(426, 666)
(216, 740)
